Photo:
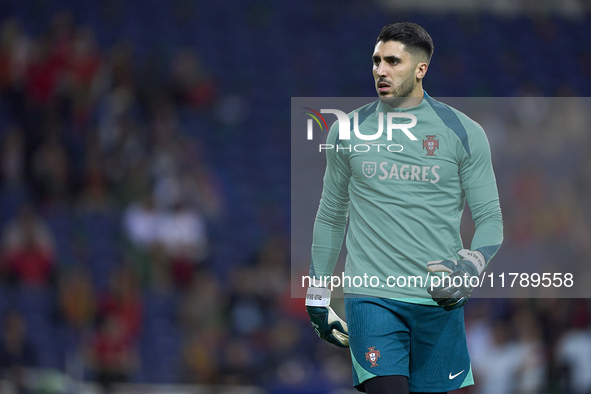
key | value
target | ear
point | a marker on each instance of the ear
(421, 70)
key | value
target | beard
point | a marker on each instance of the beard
(400, 94)
(404, 89)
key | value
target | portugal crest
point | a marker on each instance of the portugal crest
(369, 168)
(430, 144)
(372, 356)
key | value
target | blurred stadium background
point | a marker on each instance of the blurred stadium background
(144, 186)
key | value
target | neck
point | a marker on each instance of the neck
(402, 102)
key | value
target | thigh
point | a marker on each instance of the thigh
(379, 339)
(439, 359)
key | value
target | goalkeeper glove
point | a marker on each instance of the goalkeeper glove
(447, 293)
(326, 323)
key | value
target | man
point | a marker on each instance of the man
(404, 203)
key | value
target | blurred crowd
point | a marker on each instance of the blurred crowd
(144, 198)
(537, 345)
(108, 208)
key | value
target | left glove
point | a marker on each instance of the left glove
(327, 324)
(452, 295)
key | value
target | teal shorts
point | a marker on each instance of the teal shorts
(425, 343)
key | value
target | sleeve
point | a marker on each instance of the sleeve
(331, 218)
(480, 186)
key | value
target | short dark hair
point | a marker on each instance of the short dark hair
(413, 36)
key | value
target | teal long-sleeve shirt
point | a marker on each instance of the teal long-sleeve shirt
(404, 199)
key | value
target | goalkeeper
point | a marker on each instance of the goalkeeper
(404, 210)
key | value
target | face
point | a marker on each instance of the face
(396, 72)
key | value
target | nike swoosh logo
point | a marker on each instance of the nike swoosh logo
(456, 375)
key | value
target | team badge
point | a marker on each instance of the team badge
(369, 168)
(430, 144)
(372, 356)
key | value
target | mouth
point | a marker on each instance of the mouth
(383, 87)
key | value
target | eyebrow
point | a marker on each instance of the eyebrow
(387, 58)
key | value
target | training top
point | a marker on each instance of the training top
(404, 199)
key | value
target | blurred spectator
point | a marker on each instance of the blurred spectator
(532, 373)
(504, 363)
(287, 361)
(61, 32)
(19, 49)
(111, 354)
(190, 84)
(43, 74)
(200, 367)
(123, 303)
(83, 63)
(183, 234)
(77, 299)
(81, 75)
(247, 303)
(122, 74)
(573, 354)
(9, 35)
(51, 171)
(272, 265)
(141, 222)
(203, 307)
(180, 232)
(12, 156)
(28, 252)
(16, 353)
(241, 361)
(206, 191)
(96, 196)
(154, 266)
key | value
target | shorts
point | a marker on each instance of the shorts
(425, 343)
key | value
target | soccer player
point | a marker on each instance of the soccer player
(404, 203)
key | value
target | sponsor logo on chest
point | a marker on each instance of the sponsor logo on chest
(406, 172)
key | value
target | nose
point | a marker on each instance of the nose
(381, 69)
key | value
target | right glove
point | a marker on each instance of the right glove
(326, 323)
(447, 294)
